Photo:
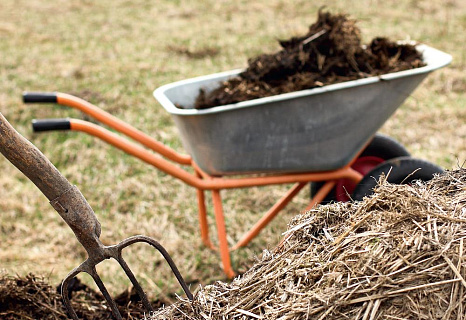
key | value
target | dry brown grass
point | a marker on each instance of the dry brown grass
(115, 53)
(397, 255)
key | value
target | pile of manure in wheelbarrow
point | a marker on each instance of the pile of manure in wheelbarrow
(399, 254)
(330, 52)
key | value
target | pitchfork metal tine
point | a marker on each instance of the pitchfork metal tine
(65, 293)
(108, 298)
(93, 273)
(131, 240)
(136, 284)
(115, 252)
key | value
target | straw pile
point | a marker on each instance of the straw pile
(397, 255)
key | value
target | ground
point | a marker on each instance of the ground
(115, 53)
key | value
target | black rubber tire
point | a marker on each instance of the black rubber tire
(384, 147)
(381, 146)
(402, 170)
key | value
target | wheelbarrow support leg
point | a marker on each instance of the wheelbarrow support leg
(265, 220)
(203, 219)
(321, 194)
(222, 234)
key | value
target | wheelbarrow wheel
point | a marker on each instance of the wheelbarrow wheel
(379, 150)
(402, 170)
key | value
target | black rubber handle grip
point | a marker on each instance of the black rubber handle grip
(50, 125)
(40, 97)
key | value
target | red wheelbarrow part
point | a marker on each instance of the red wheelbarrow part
(402, 170)
(379, 150)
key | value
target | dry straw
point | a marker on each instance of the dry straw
(396, 255)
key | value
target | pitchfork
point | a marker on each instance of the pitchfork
(71, 205)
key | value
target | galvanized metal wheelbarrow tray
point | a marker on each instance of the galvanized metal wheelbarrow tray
(307, 136)
(318, 129)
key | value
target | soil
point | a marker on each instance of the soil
(331, 52)
(32, 297)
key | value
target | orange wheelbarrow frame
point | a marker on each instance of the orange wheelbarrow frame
(200, 180)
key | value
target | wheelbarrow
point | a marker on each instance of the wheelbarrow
(324, 136)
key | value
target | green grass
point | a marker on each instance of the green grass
(115, 53)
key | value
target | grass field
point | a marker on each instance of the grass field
(115, 53)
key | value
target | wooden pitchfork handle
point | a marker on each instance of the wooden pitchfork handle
(63, 196)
